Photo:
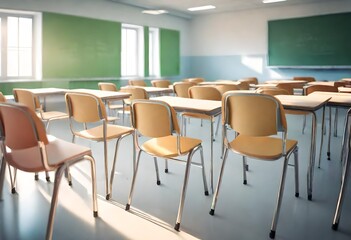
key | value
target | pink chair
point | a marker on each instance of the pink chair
(26, 147)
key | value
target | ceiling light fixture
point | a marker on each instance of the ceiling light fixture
(201, 8)
(273, 1)
(155, 12)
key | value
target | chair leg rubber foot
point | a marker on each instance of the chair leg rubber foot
(206, 193)
(309, 197)
(297, 194)
(166, 170)
(48, 179)
(245, 182)
(272, 234)
(36, 177)
(212, 212)
(127, 207)
(158, 182)
(95, 214)
(13, 190)
(177, 226)
(335, 226)
(70, 183)
(328, 154)
(108, 196)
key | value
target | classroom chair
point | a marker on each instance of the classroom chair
(308, 79)
(105, 86)
(255, 139)
(26, 147)
(88, 112)
(181, 88)
(140, 83)
(226, 87)
(249, 80)
(346, 158)
(163, 83)
(163, 140)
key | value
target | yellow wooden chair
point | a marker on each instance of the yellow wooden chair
(163, 141)
(181, 89)
(163, 83)
(255, 118)
(85, 109)
(105, 86)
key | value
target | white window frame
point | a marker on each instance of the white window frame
(154, 52)
(139, 51)
(36, 43)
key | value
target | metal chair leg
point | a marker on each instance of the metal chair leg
(203, 171)
(336, 122)
(158, 182)
(133, 182)
(2, 175)
(183, 193)
(296, 167)
(279, 200)
(113, 169)
(244, 171)
(215, 195)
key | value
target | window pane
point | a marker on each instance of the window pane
(25, 32)
(129, 52)
(19, 47)
(25, 62)
(12, 32)
(12, 62)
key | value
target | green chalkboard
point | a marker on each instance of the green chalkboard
(169, 52)
(318, 41)
(75, 47)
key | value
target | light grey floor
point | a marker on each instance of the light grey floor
(243, 212)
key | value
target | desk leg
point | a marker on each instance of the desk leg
(211, 170)
(322, 137)
(330, 124)
(312, 155)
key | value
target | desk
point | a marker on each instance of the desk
(104, 95)
(208, 107)
(224, 82)
(310, 104)
(153, 90)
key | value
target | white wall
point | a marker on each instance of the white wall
(105, 10)
(245, 32)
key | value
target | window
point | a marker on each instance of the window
(17, 54)
(132, 51)
(154, 52)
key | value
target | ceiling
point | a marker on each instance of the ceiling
(179, 7)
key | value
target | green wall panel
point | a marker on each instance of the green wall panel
(169, 52)
(80, 47)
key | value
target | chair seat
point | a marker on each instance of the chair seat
(52, 114)
(96, 133)
(166, 147)
(266, 148)
(58, 152)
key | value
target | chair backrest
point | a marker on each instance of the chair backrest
(181, 88)
(137, 93)
(195, 80)
(308, 79)
(249, 80)
(23, 130)
(2, 97)
(289, 87)
(205, 92)
(153, 118)
(226, 87)
(320, 88)
(27, 98)
(340, 83)
(244, 85)
(85, 107)
(253, 114)
(273, 91)
(104, 86)
(161, 83)
(140, 83)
